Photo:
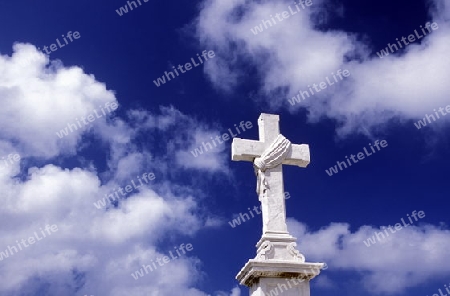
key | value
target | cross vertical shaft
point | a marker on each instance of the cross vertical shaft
(272, 201)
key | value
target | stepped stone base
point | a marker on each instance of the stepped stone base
(278, 268)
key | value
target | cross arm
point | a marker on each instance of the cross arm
(248, 150)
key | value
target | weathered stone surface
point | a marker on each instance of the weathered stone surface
(273, 202)
(254, 270)
(278, 264)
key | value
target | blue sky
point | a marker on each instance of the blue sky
(133, 128)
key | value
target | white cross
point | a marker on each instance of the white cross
(272, 199)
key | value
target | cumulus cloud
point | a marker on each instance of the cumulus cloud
(90, 241)
(390, 265)
(184, 135)
(293, 54)
(41, 97)
(94, 251)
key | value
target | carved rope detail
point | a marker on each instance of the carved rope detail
(292, 248)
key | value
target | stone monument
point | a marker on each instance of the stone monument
(278, 264)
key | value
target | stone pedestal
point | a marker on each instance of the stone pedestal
(278, 268)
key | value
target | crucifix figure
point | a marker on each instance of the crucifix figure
(268, 155)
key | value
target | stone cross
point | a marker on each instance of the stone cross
(272, 199)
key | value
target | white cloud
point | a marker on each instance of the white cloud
(87, 240)
(93, 251)
(407, 258)
(40, 98)
(293, 54)
(183, 135)
(210, 158)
